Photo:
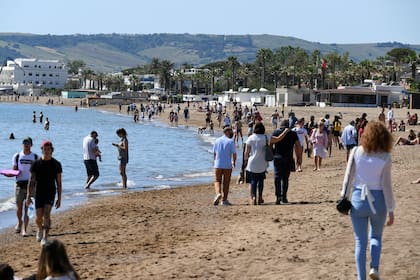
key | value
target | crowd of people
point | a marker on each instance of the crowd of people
(368, 147)
(364, 141)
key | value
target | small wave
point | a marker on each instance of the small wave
(159, 177)
(8, 205)
(199, 174)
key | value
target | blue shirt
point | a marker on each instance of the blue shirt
(224, 148)
(348, 137)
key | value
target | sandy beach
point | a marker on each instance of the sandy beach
(178, 233)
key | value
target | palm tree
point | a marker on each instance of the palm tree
(165, 73)
(233, 64)
(264, 58)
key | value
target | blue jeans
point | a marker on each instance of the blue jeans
(257, 183)
(361, 215)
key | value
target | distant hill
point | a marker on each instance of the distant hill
(114, 52)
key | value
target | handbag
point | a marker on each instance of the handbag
(269, 156)
(343, 204)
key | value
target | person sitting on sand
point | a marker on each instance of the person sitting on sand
(54, 263)
(412, 139)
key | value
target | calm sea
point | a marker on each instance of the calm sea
(160, 156)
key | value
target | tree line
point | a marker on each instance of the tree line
(284, 67)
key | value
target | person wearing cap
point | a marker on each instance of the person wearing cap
(22, 161)
(224, 156)
(349, 137)
(46, 176)
(90, 153)
(284, 141)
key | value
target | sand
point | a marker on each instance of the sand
(178, 234)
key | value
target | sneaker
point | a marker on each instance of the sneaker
(374, 274)
(39, 236)
(18, 228)
(217, 199)
(284, 201)
(226, 203)
(43, 241)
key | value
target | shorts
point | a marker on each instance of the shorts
(336, 133)
(221, 172)
(349, 147)
(123, 160)
(92, 167)
(21, 191)
(44, 199)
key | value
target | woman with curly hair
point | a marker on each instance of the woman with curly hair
(369, 172)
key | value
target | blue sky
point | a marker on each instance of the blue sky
(324, 21)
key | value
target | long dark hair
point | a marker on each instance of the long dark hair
(54, 260)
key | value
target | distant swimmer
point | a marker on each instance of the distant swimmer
(47, 124)
(34, 117)
(12, 136)
(41, 117)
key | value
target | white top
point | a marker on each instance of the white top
(89, 148)
(69, 276)
(24, 165)
(390, 115)
(301, 133)
(256, 160)
(371, 170)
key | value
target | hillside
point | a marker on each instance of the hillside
(113, 52)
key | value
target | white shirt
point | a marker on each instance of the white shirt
(301, 133)
(256, 160)
(24, 165)
(89, 148)
(390, 115)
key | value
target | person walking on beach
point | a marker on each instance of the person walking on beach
(349, 138)
(303, 139)
(319, 139)
(224, 157)
(284, 141)
(256, 163)
(22, 161)
(390, 118)
(369, 173)
(46, 176)
(122, 154)
(90, 153)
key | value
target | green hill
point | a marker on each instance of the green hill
(113, 52)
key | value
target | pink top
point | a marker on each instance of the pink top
(320, 140)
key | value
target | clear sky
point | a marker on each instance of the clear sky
(324, 21)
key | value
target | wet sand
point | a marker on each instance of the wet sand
(178, 234)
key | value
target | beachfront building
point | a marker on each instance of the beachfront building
(26, 74)
(367, 95)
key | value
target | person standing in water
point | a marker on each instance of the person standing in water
(122, 154)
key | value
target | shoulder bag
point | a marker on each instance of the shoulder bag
(269, 156)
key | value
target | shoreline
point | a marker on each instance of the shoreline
(177, 233)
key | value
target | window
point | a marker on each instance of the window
(43, 75)
(29, 74)
(51, 75)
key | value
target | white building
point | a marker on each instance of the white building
(26, 73)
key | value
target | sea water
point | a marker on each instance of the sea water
(160, 156)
